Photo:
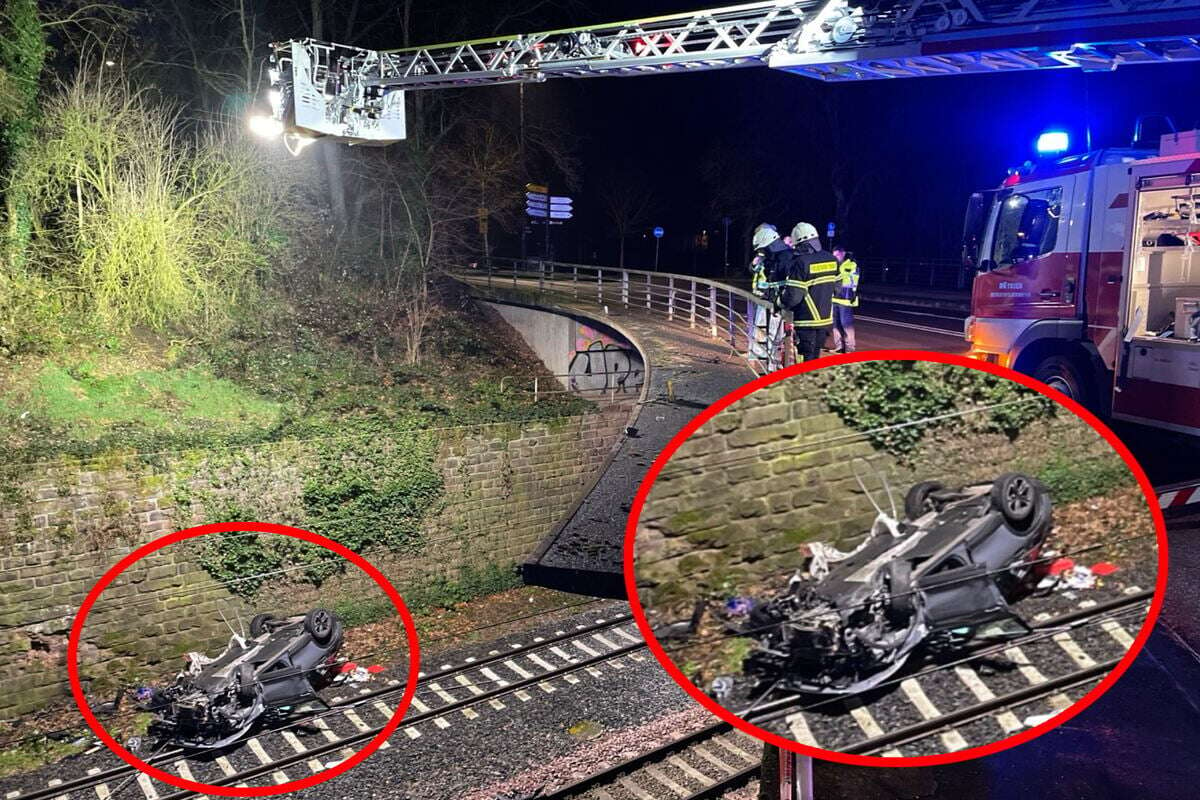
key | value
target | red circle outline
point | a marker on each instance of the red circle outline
(656, 648)
(410, 631)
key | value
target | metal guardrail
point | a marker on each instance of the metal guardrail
(752, 327)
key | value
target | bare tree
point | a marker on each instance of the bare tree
(627, 202)
(488, 161)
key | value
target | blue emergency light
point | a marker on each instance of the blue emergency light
(1053, 142)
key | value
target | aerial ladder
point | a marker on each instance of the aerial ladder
(321, 89)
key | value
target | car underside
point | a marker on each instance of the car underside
(282, 663)
(956, 562)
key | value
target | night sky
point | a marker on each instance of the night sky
(925, 144)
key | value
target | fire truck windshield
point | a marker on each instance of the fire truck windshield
(1026, 227)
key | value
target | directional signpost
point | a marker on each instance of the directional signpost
(546, 209)
(658, 234)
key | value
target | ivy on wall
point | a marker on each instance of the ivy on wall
(873, 397)
(364, 492)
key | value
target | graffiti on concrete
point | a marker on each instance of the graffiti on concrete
(601, 363)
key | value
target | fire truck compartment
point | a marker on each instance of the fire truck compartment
(1164, 266)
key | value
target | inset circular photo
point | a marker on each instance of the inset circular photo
(895, 558)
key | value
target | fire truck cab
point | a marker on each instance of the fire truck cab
(1088, 279)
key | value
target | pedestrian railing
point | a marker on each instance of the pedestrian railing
(752, 327)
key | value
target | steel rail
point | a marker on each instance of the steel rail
(379, 694)
(611, 773)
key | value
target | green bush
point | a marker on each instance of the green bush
(874, 397)
(472, 582)
(144, 222)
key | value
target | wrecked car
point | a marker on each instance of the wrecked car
(953, 563)
(282, 663)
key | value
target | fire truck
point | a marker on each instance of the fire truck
(1088, 278)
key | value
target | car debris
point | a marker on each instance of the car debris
(954, 563)
(283, 663)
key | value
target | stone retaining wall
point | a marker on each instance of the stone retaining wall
(63, 525)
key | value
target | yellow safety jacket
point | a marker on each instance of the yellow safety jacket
(847, 292)
(808, 290)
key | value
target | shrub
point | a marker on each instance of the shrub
(147, 222)
(876, 396)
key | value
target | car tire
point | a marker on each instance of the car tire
(1062, 373)
(258, 624)
(918, 502)
(1017, 496)
(321, 625)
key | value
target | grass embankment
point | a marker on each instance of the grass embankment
(288, 372)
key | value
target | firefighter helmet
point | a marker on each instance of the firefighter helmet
(764, 234)
(803, 232)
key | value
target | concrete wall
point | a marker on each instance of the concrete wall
(587, 355)
(63, 525)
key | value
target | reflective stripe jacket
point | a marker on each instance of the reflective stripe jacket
(847, 292)
(809, 289)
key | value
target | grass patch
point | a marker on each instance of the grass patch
(33, 753)
(291, 371)
(1070, 480)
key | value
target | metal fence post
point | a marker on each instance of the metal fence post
(648, 291)
(575, 281)
(625, 288)
(712, 311)
(599, 284)
(692, 306)
(670, 297)
(535, 388)
(752, 324)
(541, 277)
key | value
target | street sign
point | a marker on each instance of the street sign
(537, 187)
(658, 233)
(537, 212)
(556, 214)
(561, 200)
(534, 197)
(830, 230)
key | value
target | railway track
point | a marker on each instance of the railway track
(913, 716)
(717, 759)
(313, 744)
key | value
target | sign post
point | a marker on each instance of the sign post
(546, 210)
(658, 234)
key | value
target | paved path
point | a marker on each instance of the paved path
(688, 371)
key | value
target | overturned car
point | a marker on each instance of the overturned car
(953, 564)
(283, 662)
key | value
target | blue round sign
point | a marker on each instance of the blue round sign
(658, 232)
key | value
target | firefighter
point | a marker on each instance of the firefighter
(769, 269)
(808, 291)
(845, 300)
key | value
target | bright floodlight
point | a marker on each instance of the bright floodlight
(1053, 142)
(265, 126)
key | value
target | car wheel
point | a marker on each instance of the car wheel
(258, 624)
(320, 623)
(918, 501)
(1061, 373)
(1016, 496)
